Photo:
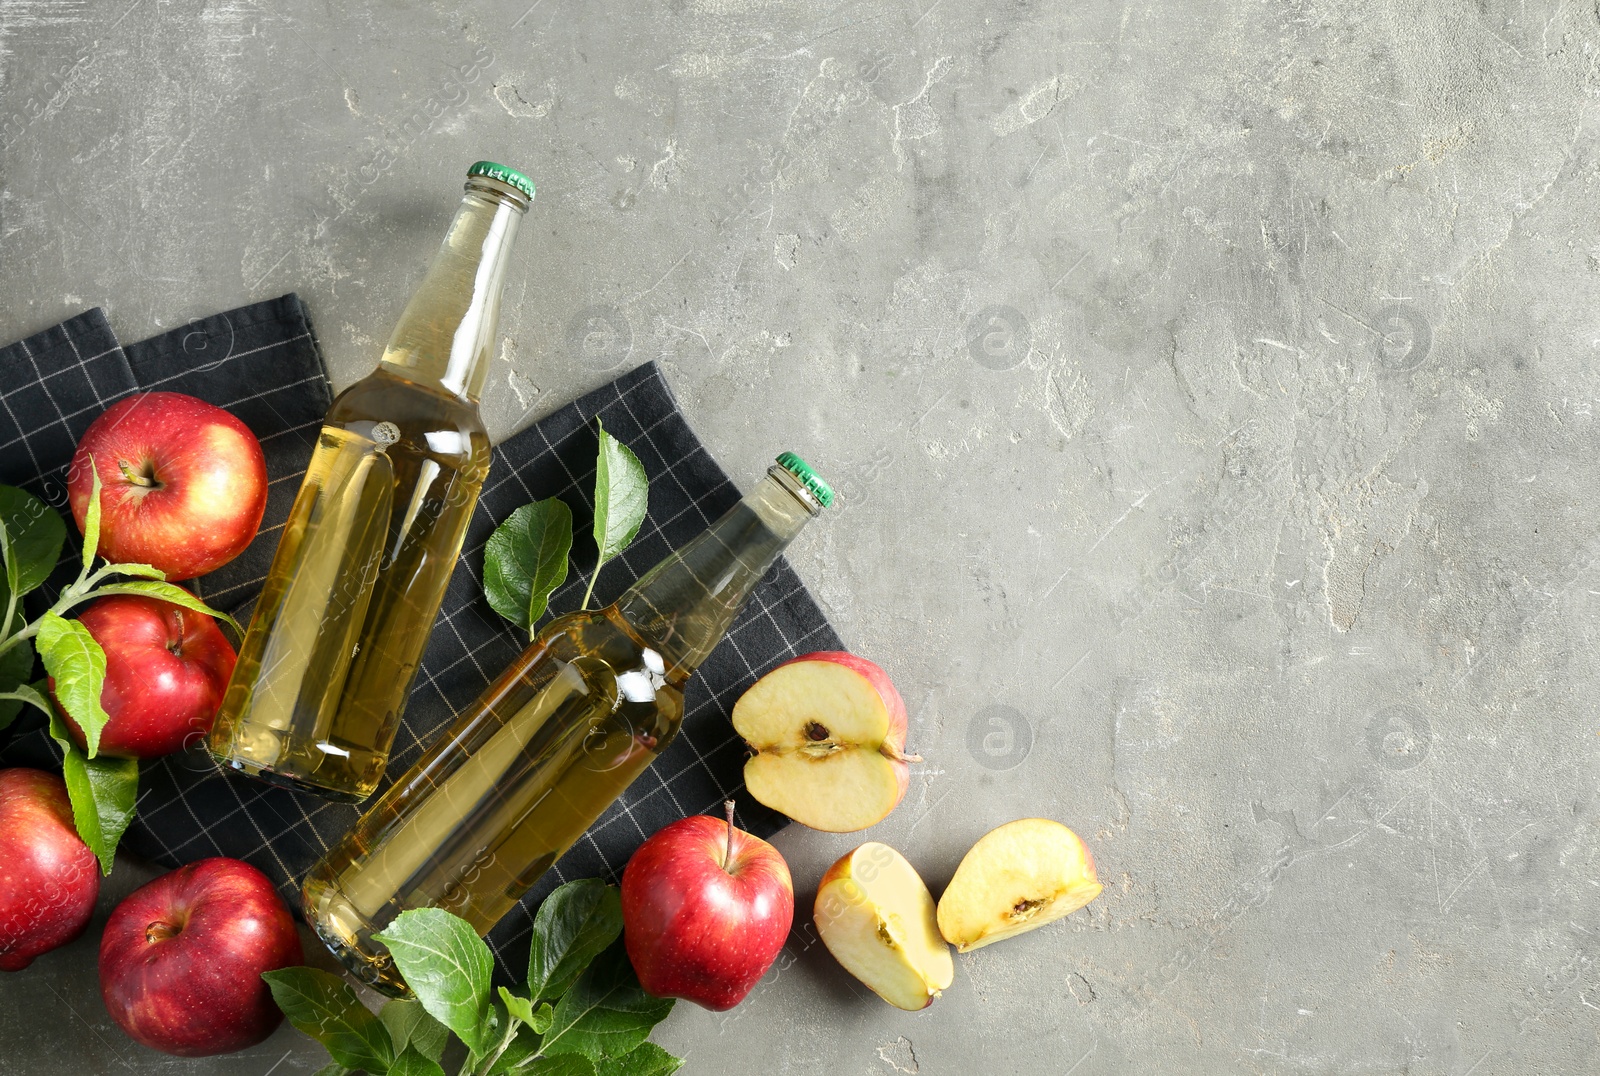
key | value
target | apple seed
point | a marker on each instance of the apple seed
(1026, 909)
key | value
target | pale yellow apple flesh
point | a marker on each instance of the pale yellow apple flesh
(876, 917)
(846, 790)
(828, 743)
(1016, 878)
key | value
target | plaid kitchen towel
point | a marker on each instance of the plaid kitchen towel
(261, 362)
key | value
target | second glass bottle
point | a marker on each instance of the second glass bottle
(530, 766)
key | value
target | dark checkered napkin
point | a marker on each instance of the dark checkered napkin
(261, 362)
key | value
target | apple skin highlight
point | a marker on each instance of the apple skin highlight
(697, 927)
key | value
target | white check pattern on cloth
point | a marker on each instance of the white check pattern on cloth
(261, 363)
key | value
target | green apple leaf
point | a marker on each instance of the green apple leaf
(646, 1059)
(447, 966)
(324, 1006)
(523, 1011)
(606, 1013)
(31, 536)
(333, 1068)
(167, 592)
(11, 703)
(78, 666)
(16, 666)
(522, 1059)
(525, 560)
(410, 1025)
(16, 661)
(574, 925)
(35, 695)
(102, 791)
(91, 519)
(519, 1007)
(411, 1062)
(621, 495)
(148, 571)
(561, 1065)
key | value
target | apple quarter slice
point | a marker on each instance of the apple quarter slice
(1017, 878)
(828, 730)
(876, 917)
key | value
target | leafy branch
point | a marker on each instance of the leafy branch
(525, 559)
(32, 534)
(581, 1012)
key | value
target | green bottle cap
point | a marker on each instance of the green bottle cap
(509, 176)
(808, 478)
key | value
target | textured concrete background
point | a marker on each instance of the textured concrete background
(1211, 389)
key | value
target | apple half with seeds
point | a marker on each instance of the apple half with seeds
(1017, 878)
(829, 734)
(876, 916)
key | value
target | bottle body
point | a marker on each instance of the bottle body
(363, 562)
(361, 569)
(496, 801)
(548, 747)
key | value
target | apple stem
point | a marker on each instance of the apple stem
(136, 477)
(161, 930)
(727, 856)
(900, 756)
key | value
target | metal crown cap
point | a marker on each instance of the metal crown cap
(808, 478)
(509, 176)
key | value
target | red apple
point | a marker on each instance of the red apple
(167, 668)
(181, 959)
(183, 483)
(48, 876)
(705, 909)
(829, 733)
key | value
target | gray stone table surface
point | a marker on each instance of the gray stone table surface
(1210, 386)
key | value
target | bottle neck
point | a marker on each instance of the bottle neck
(684, 606)
(446, 336)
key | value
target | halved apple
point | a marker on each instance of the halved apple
(1018, 877)
(876, 917)
(829, 732)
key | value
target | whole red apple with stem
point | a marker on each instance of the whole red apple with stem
(181, 959)
(167, 668)
(48, 877)
(183, 483)
(705, 909)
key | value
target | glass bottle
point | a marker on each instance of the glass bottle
(549, 745)
(338, 632)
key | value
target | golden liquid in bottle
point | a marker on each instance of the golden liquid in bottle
(358, 578)
(494, 804)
